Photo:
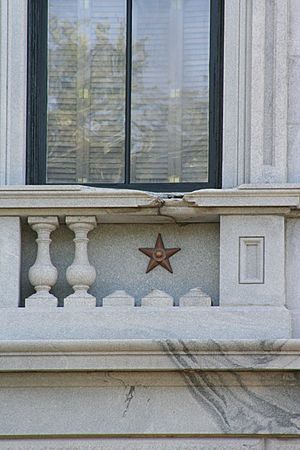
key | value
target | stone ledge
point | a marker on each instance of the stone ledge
(205, 323)
(144, 355)
(130, 206)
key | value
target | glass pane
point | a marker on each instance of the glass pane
(170, 82)
(86, 91)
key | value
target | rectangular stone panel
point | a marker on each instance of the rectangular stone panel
(251, 260)
(151, 404)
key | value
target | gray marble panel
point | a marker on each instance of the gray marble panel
(116, 403)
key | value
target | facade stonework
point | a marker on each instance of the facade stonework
(97, 354)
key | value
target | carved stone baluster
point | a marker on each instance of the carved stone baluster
(43, 274)
(81, 274)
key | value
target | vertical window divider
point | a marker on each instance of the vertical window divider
(37, 89)
(128, 90)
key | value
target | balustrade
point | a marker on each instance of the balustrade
(81, 274)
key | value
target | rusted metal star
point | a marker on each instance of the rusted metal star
(159, 255)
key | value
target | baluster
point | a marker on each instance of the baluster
(42, 275)
(81, 274)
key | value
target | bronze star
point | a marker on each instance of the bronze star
(159, 256)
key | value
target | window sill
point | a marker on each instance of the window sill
(128, 206)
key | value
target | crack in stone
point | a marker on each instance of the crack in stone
(128, 399)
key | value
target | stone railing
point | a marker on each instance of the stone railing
(80, 275)
(253, 265)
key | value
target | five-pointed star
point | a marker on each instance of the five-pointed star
(159, 255)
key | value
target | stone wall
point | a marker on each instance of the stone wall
(294, 93)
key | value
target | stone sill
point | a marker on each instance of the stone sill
(154, 355)
(126, 206)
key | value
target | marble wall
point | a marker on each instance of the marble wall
(149, 404)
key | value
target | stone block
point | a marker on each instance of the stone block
(10, 261)
(195, 297)
(252, 260)
(75, 301)
(157, 298)
(36, 301)
(118, 299)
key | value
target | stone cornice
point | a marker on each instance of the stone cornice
(135, 355)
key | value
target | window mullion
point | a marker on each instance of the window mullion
(128, 90)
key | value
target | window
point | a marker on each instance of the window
(125, 93)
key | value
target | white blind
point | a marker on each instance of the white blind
(170, 91)
(86, 91)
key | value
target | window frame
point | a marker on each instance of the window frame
(37, 102)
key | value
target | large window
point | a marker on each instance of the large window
(125, 93)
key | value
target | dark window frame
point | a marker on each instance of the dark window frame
(37, 102)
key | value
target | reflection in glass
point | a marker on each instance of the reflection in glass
(86, 91)
(170, 82)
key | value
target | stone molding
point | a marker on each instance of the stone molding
(144, 354)
(255, 92)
